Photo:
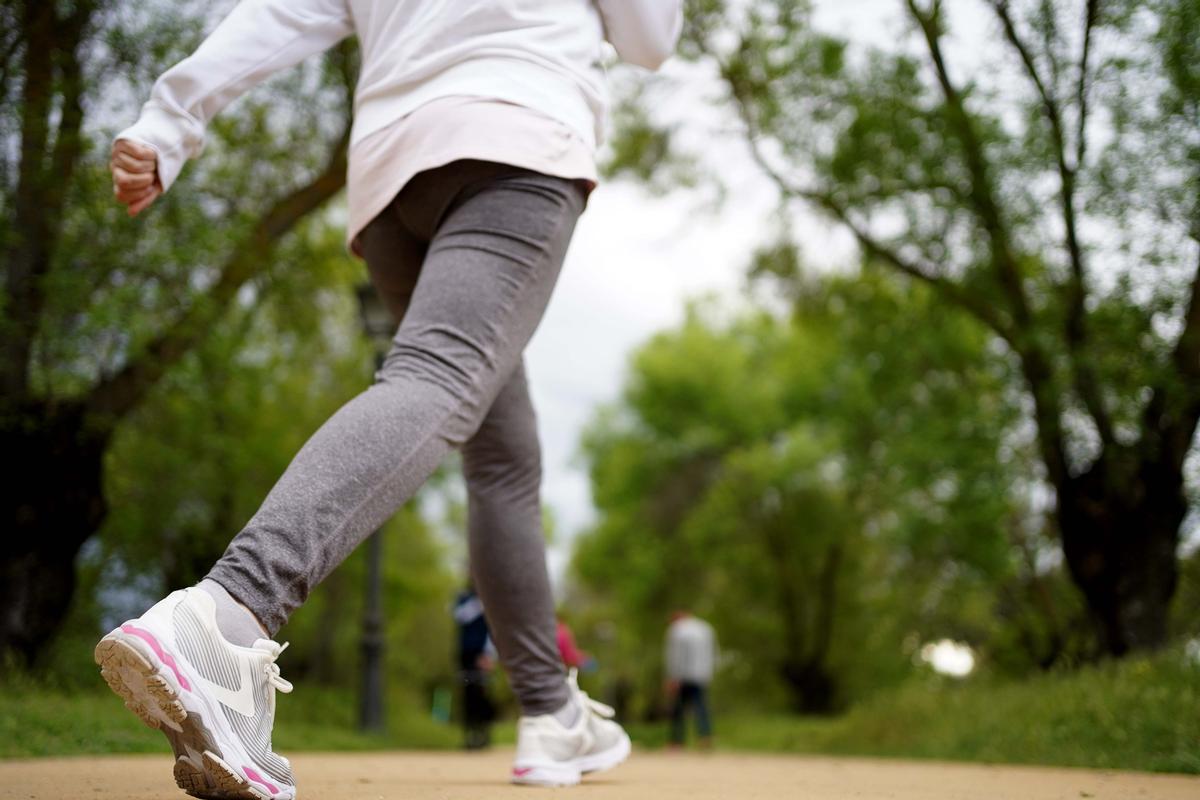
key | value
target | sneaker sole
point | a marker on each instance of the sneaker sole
(570, 773)
(133, 674)
(606, 759)
(557, 775)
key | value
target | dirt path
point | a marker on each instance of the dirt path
(653, 776)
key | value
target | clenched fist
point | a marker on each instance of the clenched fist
(135, 175)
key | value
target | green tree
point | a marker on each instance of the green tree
(823, 488)
(790, 551)
(95, 309)
(1050, 190)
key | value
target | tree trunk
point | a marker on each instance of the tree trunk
(51, 503)
(1120, 539)
(813, 687)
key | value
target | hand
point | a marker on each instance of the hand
(671, 687)
(484, 663)
(135, 175)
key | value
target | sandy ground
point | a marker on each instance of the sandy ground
(652, 776)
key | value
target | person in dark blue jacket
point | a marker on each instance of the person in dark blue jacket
(475, 663)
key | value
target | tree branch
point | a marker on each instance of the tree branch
(825, 201)
(985, 313)
(1035, 367)
(68, 143)
(27, 255)
(1081, 89)
(1174, 408)
(983, 194)
(116, 396)
(1084, 377)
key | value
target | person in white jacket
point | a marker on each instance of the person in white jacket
(471, 158)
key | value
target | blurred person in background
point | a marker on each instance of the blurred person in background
(471, 157)
(476, 660)
(689, 660)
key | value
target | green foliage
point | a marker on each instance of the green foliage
(36, 721)
(829, 490)
(946, 187)
(118, 282)
(189, 461)
(213, 433)
(1047, 186)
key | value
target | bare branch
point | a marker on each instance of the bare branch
(985, 313)
(1075, 290)
(1035, 366)
(983, 194)
(1081, 88)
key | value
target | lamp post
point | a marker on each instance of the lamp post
(378, 326)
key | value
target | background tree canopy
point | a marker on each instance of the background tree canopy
(96, 309)
(1049, 189)
(159, 373)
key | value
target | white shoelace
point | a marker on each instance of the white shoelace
(595, 706)
(271, 669)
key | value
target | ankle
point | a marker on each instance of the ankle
(235, 621)
(569, 713)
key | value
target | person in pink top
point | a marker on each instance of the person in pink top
(472, 155)
(570, 653)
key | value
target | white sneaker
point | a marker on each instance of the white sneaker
(551, 754)
(215, 701)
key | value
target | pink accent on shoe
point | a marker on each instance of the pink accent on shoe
(163, 656)
(254, 776)
(521, 772)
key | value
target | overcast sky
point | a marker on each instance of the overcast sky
(636, 259)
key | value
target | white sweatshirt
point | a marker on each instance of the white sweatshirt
(541, 54)
(691, 651)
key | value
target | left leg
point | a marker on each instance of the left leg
(498, 236)
(497, 239)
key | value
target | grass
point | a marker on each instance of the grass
(1141, 714)
(42, 722)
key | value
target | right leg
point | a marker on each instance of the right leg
(502, 468)
(502, 465)
(678, 714)
(703, 720)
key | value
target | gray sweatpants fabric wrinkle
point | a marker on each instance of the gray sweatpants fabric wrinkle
(466, 256)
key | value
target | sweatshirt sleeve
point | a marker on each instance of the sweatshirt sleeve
(644, 32)
(257, 39)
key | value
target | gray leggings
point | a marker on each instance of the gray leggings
(466, 255)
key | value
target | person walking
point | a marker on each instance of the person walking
(471, 158)
(475, 663)
(691, 654)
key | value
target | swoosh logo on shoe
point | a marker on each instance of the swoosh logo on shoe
(241, 701)
(521, 772)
